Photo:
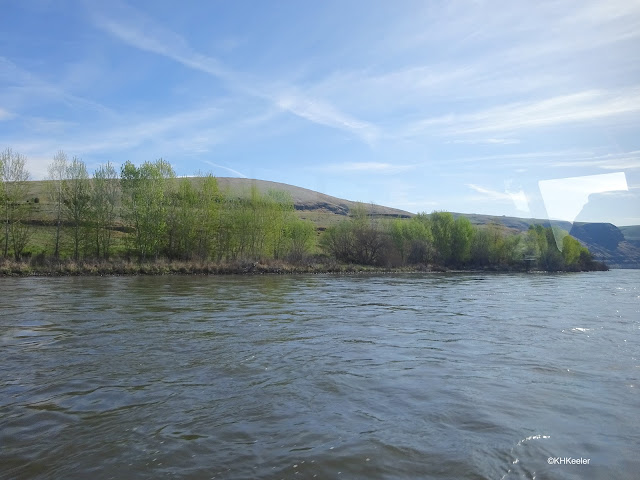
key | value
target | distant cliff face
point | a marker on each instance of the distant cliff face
(603, 235)
(618, 248)
(608, 244)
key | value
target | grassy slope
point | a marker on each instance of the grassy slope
(320, 208)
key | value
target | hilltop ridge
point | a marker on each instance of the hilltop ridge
(307, 200)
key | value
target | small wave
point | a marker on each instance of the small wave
(516, 466)
(532, 437)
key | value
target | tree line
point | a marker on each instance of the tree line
(439, 239)
(159, 214)
(146, 212)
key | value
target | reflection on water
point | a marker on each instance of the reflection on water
(391, 376)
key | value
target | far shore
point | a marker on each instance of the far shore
(161, 267)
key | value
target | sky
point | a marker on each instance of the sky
(528, 109)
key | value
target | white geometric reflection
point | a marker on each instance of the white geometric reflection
(564, 198)
(519, 200)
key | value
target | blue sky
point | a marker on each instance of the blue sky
(474, 107)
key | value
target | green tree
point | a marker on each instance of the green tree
(208, 219)
(442, 229)
(145, 193)
(412, 239)
(279, 212)
(531, 245)
(575, 256)
(76, 199)
(461, 237)
(551, 259)
(181, 206)
(301, 235)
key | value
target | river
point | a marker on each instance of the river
(444, 376)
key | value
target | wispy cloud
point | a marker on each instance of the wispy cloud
(487, 141)
(613, 161)
(5, 115)
(134, 134)
(494, 54)
(518, 198)
(366, 167)
(140, 31)
(325, 114)
(175, 135)
(579, 107)
(21, 87)
(235, 172)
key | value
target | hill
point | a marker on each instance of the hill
(305, 199)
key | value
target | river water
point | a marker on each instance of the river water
(456, 376)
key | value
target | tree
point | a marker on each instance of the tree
(57, 171)
(210, 202)
(461, 236)
(76, 194)
(279, 212)
(193, 219)
(576, 257)
(412, 239)
(181, 205)
(531, 247)
(338, 241)
(481, 247)
(442, 228)
(15, 210)
(300, 235)
(359, 240)
(104, 197)
(145, 193)
(551, 259)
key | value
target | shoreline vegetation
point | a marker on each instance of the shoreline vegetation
(144, 220)
(69, 267)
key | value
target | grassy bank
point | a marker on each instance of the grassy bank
(53, 268)
(165, 267)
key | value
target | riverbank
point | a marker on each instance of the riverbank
(161, 267)
(52, 268)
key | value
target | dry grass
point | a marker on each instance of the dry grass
(52, 267)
